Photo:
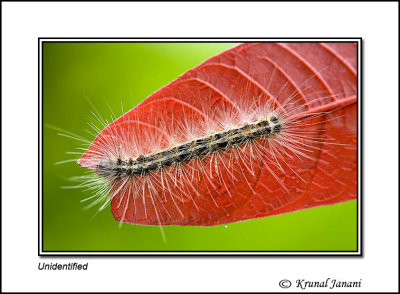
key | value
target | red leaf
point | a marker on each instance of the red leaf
(247, 72)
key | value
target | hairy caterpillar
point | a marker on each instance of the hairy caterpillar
(194, 155)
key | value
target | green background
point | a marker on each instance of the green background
(109, 74)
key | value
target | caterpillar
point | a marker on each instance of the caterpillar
(195, 149)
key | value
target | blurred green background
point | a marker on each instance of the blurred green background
(111, 74)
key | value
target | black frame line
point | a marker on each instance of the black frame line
(123, 253)
(193, 1)
(202, 38)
